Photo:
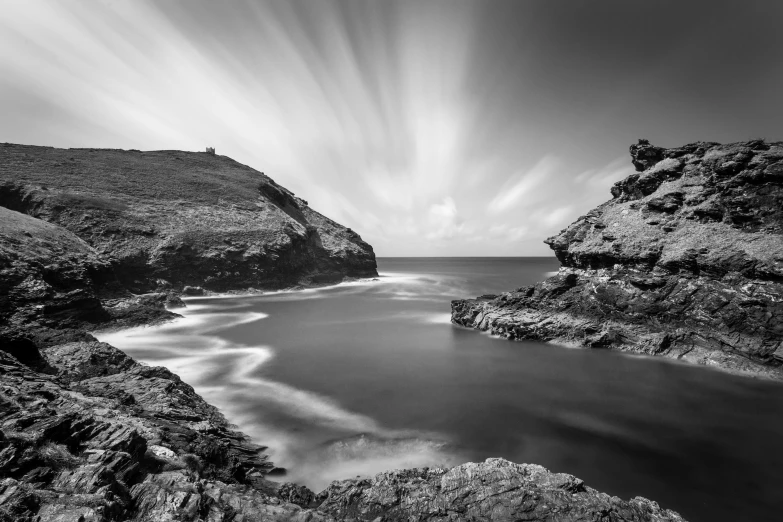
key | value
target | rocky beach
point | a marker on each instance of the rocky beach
(95, 239)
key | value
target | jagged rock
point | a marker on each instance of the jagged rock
(296, 494)
(686, 262)
(47, 274)
(173, 496)
(492, 490)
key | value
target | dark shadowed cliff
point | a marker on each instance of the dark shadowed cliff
(686, 262)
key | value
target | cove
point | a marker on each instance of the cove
(363, 377)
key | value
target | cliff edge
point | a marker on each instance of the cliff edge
(685, 262)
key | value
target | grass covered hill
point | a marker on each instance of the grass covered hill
(173, 218)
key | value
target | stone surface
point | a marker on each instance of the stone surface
(686, 262)
(492, 490)
(47, 273)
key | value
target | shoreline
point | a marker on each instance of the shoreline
(496, 322)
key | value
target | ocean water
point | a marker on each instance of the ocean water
(363, 377)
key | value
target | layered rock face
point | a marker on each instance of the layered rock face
(686, 262)
(169, 219)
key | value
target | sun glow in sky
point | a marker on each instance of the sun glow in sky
(429, 127)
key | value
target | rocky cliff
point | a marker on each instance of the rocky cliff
(88, 434)
(169, 219)
(685, 262)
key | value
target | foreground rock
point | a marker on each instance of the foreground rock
(685, 262)
(83, 442)
(492, 490)
(169, 219)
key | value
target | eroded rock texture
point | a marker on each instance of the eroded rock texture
(492, 490)
(104, 438)
(686, 261)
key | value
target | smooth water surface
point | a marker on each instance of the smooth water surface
(364, 377)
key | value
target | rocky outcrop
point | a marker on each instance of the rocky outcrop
(169, 219)
(686, 262)
(492, 490)
(81, 441)
(54, 286)
(47, 273)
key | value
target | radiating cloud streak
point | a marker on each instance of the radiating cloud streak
(515, 189)
(379, 113)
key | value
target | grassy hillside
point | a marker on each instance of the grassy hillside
(172, 218)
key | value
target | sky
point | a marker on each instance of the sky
(432, 128)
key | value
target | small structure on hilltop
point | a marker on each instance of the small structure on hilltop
(211, 150)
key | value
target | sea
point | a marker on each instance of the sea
(362, 377)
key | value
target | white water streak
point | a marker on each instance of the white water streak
(228, 375)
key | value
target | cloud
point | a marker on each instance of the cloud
(558, 217)
(607, 175)
(371, 114)
(508, 233)
(520, 185)
(444, 221)
(393, 190)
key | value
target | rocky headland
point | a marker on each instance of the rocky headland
(169, 219)
(93, 239)
(685, 262)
